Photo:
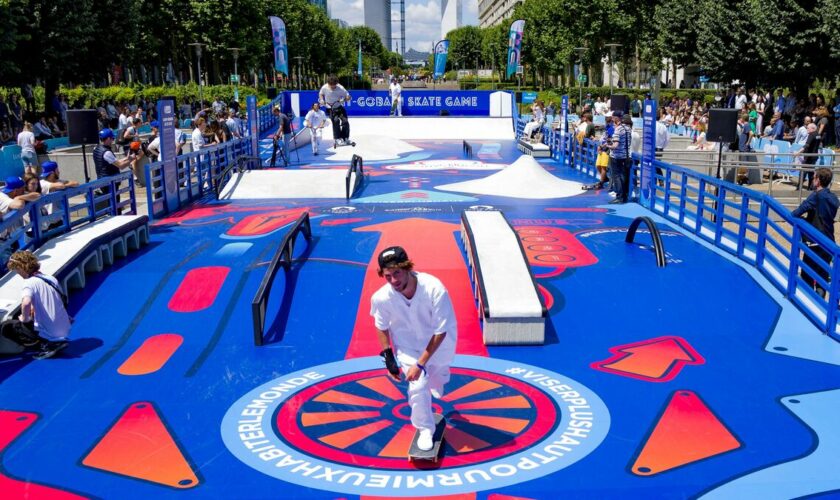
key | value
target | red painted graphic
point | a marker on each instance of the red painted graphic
(140, 446)
(687, 431)
(151, 355)
(654, 360)
(341, 222)
(432, 247)
(12, 425)
(498, 496)
(214, 213)
(578, 209)
(265, 223)
(198, 289)
(414, 194)
(553, 248)
(461, 496)
(489, 416)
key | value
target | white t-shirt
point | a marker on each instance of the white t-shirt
(662, 136)
(333, 97)
(154, 146)
(396, 90)
(600, 107)
(123, 121)
(51, 318)
(740, 101)
(26, 141)
(412, 323)
(197, 139)
(315, 118)
(233, 127)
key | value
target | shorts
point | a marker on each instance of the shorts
(29, 158)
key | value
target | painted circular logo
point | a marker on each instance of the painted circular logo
(345, 427)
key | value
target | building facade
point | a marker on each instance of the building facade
(322, 4)
(378, 17)
(450, 16)
(491, 12)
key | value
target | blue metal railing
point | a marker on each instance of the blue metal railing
(751, 226)
(57, 213)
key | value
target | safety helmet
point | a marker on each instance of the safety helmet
(106, 133)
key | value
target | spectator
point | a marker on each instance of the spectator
(810, 151)
(198, 134)
(218, 105)
(15, 114)
(130, 134)
(745, 136)
(753, 117)
(533, 129)
(54, 126)
(740, 99)
(760, 108)
(43, 322)
(802, 132)
(777, 127)
(820, 210)
(219, 135)
(62, 110)
(232, 126)
(124, 121)
(112, 114)
(13, 197)
(42, 129)
(26, 141)
(4, 112)
(5, 134)
(823, 129)
(779, 106)
(28, 97)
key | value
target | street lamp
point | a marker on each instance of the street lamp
(612, 47)
(198, 46)
(580, 51)
(235, 52)
(299, 59)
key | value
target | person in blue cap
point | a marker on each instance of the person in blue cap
(106, 162)
(12, 197)
(50, 181)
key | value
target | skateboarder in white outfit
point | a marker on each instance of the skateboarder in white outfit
(413, 312)
(315, 120)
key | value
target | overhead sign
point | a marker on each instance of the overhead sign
(528, 97)
(582, 78)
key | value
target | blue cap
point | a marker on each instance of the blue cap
(154, 124)
(47, 168)
(12, 183)
(106, 133)
(618, 114)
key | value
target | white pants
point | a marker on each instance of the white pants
(419, 391)
(315, 137)
(531, 127)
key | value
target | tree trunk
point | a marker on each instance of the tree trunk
(674, 83)
(638, 68)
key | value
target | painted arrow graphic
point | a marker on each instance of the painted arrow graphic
(654, 360)
(432, 247)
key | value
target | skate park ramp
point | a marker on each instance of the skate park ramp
(524, 178)
(277, 183)
(424, 128)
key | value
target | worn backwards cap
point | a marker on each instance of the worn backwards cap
(15, 182)
(47, 168)
(392, 256)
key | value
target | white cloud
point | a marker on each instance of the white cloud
(351, 11)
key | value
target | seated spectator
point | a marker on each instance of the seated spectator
(42, 129)
(5, 134)
(43, 324)
(13, 197)
(54, 128)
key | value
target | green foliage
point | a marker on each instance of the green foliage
(464, 47)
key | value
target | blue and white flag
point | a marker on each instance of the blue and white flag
(441, 53)
(360, 58)
(514, 47)
(281, 50)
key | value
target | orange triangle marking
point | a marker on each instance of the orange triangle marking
(383, 386)
(342, 398)
(494, 404)
(139, 445)
(477, 386)
(398, 446)
(687, 431)
(463, 442)
(331, 417)
(343, 439)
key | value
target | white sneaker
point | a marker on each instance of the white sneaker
(424, 441)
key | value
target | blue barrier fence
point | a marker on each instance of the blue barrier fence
(751, 226)
(199, 173)
(57, 213)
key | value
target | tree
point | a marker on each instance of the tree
(465, 46)
(11, 35)
(728, 49)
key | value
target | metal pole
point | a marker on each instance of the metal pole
(198, 47)
(612, 47)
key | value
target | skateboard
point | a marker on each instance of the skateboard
(343, 144)
(415, 453)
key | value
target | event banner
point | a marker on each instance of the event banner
(166, 130)
(514, 47)
(415, 102)
(281, 51)
(441, 52)
(648, 151)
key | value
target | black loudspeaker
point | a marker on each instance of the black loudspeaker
(723, 125)
(518, 97)
(618, 102)
(82, 126)
(271, 92)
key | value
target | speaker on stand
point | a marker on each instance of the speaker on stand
(723, 127)
(83, 128)
(271, 93)
(619, 102)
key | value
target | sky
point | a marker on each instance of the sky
(422, 19)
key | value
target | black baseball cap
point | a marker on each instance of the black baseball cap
(392, 256)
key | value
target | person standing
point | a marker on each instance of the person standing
(396, 97)
(413, 312)
(315, 120)
(333, 96)
(282, 136)
(820, 210)
(619, 149)
(26, 141)
(106, 163)
(810, 149)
